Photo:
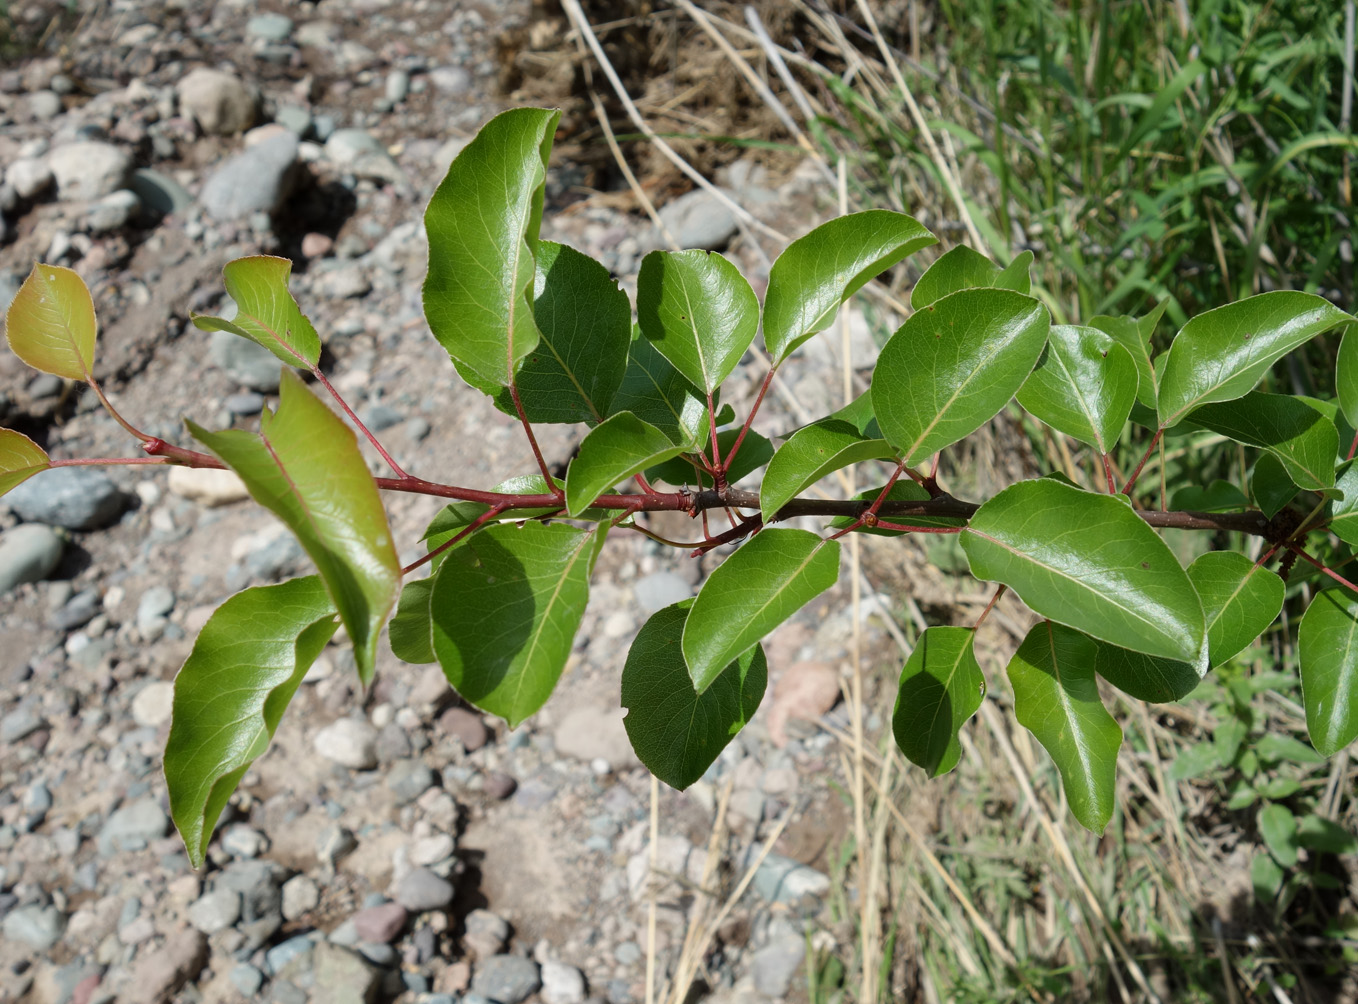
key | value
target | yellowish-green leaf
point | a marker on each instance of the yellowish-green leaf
(20, 459)
(51, 323)
(266, 312)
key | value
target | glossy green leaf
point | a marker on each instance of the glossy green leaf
(266, 312)
(621, 446)
(304, 466)
(483, 233)
(247, 663)
(1239, 599)
(953, 365)
(1056, 698)
(1328, 643)
(674, 731)
(20, 459)
(1219, 496)
(860, 415)
(698, 311)
(820, 270)
(963, 268)
(903, 490)
(1146, 677)
(1221, 354)
(1084, 385)
(585, 323)
(1343, 511)
(755, 452)
(411, 629)
(1346, 374)
(1302, 438)
(1127, 333)
(941, 687)
(1271, 486)
(659, 395)
(506, 605)
(1278, 827)
(1088, 561)
(810, 454)
(764, 583)
(51, 324)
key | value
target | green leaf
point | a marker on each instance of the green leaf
(860, 415)
(304, 466)
(585, 322)
(1266, 877)
(410, 631)
(1278, 827)
(658, 394)
(20, 459)
(941, 687)
(820, 270)
(675, 732)
(506, 605)
(1343, 512)
(51, 324)
(764, 583)
(1346, 374)
(698, 311)
(1239, 599)
(1271, 486)
(755, 452)
(1273, 747)
(953, 365)
(1221, 354)
(247, 663)
(266, 312)
(621, 446)
(483, 233)
(1219, 496)
(963, 268)
(1129, 334)
(1328, 643)
(1296, 433)
(1145, 677)
(1196, 761)
(810, 454)
(903, 490)
(1084, 385)
(1056, 698)
(1089, 562)
(1325, 836)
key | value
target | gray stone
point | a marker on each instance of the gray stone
(45, 385)
(382, 955)
(283, 959)
(485, 934)
(295, 118)
(159, 975)
(774, 966)
(344, 146)
(782, 879)
(257, 881)
(159, 192)
(39, 927)
(247, 979)
(379, 417)
(506, 979)
(269, 27)
(133, 826)
(112, 212)
(343, 977)
(300, 896)
(562, 984)
(409, 779)
(219, 102)
(256, 180)
(344, 283)
(152, 706)
(397, 86)
(421, 890)
(659, 590)
(28, 176)
(452, 80)
(349, 743)
(245, 403)
(28, 553)
(88, 170)
(628, 953)
(592, 732)
(44, 105)
(215, 911)
(380, 924)
(21, 722)
(248, 363)
(699, 220)
(244, 842)
(78, 611)
(77, 498)
(157, 601)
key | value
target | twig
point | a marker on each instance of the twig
(320, 377)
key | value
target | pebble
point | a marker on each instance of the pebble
(397, 86)
(133, 826)
(112, 212)
(257, 180)
(28, 176)
(280, 959)
(343, 977)
(781, 879)
(295, 118)
(409, 779)
(78, 611)
(245, 403)
(345, 146)
(77, 498)
(498, 785)
(209, 486)
(269, 27)
(219, 102)
(28, 553)
(775, 965)
(159, 975)
(300, 896)
(39, 927)
(594, 732)
(156, 602)
(316, 245)
(421, 890)
(215, 911)
(153, 705)
(658, 590)
(248, 363)
(699, 220)
(44, 105)
(485, 933)
(244, 842)
(466, 727)
(432, 850)
(562, 984)
(507, 979)
(159, 192)
(349, 743)
(247, 979)
(88, 170)
(378, 925)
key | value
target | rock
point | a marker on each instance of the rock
(397, 86)
(153, 704)
(781, 879)
(349, 743)
(591, 732)
(206, 485)
(300, 897)
(421, 890)
(160, 975)
(381, 924)
(345, 146)
(291, 957)
(498, 785)
(78, 611)
(219, 102)
(244, 842)
(562, 984)
(345, 283)
(466, 727)
(452, 80)
(28, 553)
(269, 27)
(112, 212)
(159, 192)
(88, 170)
(248, 363)
(215, 911)
(316, 245)
(659, 590)
(133, 826)
(775, 965)
(28, 176)
(245, 403)
(20, 723)
(409, 779)
(485, 934)
(295, 118)
(153, 607)
(44, 105)
(39, 927)
(77, 498)
(247, 979)
(506, 979)
(256, 180)
(806, 690)
(699, 220)
(342, 977)
(432, 850)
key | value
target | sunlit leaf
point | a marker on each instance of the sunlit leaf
(1328, 643)
(1084, 385)
(1131, 336)
(266, 312)
(20, 459)
(963, 268)
(1346, 374)
(621, 446)
(51, 324)
(1239, 599)
(1289, 428)
(810, 454)
(941, 686)
(658, 394)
